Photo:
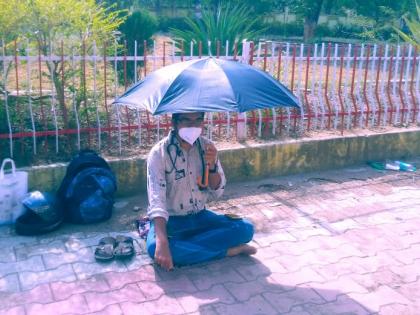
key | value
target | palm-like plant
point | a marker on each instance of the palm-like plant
(233, 23)
(414, 27)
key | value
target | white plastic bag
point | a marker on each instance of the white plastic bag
(13, 186)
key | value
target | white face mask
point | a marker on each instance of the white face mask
(189, 134)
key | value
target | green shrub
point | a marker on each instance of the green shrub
(139, 26)
(233, 23)
(284, 29)
(166, 23)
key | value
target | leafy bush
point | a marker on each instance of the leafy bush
(139, 26)
(234, 23)
(165, 23)
(284, 29)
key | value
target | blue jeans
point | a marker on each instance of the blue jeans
(204, 236)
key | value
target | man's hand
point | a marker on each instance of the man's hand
(210, 155)
(163, 255)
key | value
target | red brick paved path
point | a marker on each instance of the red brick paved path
(337, 242)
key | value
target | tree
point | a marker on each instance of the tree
(412, 35)
(310, 11)
(46, 22)
(378, 17)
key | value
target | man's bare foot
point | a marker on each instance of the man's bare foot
(244, 249)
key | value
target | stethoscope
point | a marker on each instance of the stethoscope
(178, 152)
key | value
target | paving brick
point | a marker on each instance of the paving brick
(117, 280)
(383, 295)
(410, 290)
(181, 284)
(394, 309)
(344, 225)
(204, 280)
(86, 270)
(138, 261)
(7, 255)
(406, 256)
(260, 269)
(330, 290)
(151, 290)
(18, 241)
(17, 310)
(264, 240)
(9, 283)
(302, 234)
(28, 280)
(99, 300)
(85, 255)
(283, 302)
(343, 305)
(197, 301)
(39, 294)
(76, 304)
(244, 291)
(292, 279)
(255, 305)
(53, 247)
(163, 305)
(372, 280)
(63, 290)
(32, 264)
(78, 242)
(113, 309)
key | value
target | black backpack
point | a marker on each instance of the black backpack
(86, 194)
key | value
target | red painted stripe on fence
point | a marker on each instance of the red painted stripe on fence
(326, 85)
(308, 59)
(412, 85)
(63, 99)
(251, 53)
(353, 98)
(389, 85)
(340, 96)
(182, 50)
(105, 98)
(292, 85)
(364, 86)
(84, 88)
(164, 53)
(44, 122)
(125, 87)
(279, 62)
(403, 110)
(18, 109)
(378, 71)
(145, 56)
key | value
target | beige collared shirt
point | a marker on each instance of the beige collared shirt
(172, 185)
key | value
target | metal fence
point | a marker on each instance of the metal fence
(340, 86)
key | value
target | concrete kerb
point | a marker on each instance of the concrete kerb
(245, 162)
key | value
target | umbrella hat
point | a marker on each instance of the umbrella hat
(207, 85)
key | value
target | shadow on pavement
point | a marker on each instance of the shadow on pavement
(246, 285)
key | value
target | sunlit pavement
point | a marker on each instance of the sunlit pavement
(337, 242)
